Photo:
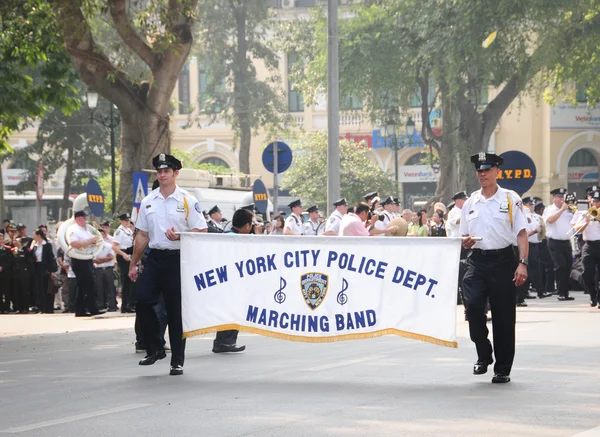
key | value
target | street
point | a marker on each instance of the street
(61, 376)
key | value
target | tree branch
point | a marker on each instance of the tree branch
(129, 35)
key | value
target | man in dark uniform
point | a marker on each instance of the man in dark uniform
(7, 260)
(558, 223)
(546, 265)
(164, 213)
(495, 215)
(241, 223)
(23, 274)
(122, 245)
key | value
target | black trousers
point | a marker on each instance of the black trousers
(72, 298)
(40, 286)
(546, 268)
(5, 290)
(22, 280)
(534, 270)
(226, 337)
(590, 256)
(161, 313)
(491, 277)
(161, 276)
(562, 258)
(126, 302)
(84, 273)
(105, 288)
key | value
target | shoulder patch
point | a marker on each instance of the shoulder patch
(197, 207)
(117, 232)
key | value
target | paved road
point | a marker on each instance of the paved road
(88, 384)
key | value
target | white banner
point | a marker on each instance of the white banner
(418, 173)
(320, 289)
(567, 116)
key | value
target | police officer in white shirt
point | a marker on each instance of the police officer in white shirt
(370, 196)
(495, 215)
(311, 226)
(164, 213)
(589, 226)
(83, 268)
(214, 221)
(106, 295)
(332, 228)
(453, 222)
(558, 223)
(123, 247)
(293, 224)
(534, 231)
(388, 213)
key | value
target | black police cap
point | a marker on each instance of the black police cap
(80, 214)
(397, 200)
(370, 195)
(590, 190)
(340, 202)
(388, 201)
(295, 203)
(248, 207)
(559, 192)
(164, 160)
(596, 195)
(539, 205)
(527, 201)
(313, 208)
(450, 206)
(215, 209)
(125, 216)
(459, 196)
(485, 161)
(105, 223)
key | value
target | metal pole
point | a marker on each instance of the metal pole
(333, 106)
(38, 210)
(112, 159)
(275, 177)
(396, 164)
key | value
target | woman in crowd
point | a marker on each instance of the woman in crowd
(278, 224)
(45, 265)
(420, 228)
(438, 228)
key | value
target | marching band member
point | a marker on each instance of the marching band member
(122, 245)
(293, 224)
(493, 214)
(335, 219)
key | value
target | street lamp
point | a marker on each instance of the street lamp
(112, 122)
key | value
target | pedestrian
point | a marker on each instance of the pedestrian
(45, 265)
(293, 224)
(164, 213)
(122, 246)
(495, 215)
(589, 226)
(278, 225)
(7, 261)
(558, 219)
(332, 228)
(226, 341)
(420, 228)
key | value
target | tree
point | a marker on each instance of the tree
(307, 178)
(157, 32)
(233, 37)
(392, 50)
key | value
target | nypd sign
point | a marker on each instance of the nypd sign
(311, 290)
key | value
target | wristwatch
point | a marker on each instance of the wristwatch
(524, 261)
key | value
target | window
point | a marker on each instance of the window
(203, 79)
(581, 95)
(295, 100)
(214, 161)
(416, 99)
(184, 90)
(418, 159)
(351, 102)
(583, 158)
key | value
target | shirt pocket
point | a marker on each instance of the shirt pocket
(502, 216)
(178, 221)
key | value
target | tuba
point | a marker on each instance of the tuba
(402, 226)
(68, 227)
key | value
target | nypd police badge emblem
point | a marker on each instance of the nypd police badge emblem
(314, 288)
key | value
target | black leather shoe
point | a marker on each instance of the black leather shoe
(593, 303)
(82, 314)
(97, 313)
(176, 370)
(521, 304)
(569, 298)
(500, 379)
(530, 296)
(153, 358)
(222, 348)
(481, 366)
(544, 295)
(562, 298)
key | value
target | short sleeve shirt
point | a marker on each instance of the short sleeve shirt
(592, 231)
(180, 210)
(490, 219)
(452, 225)
(352, 226)
(77, 233)
(310, 227)
(334, 222)
(294, 224)
(558, 230)
(124, 237)
(105, 252)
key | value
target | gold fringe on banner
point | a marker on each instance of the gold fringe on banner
(333, 338)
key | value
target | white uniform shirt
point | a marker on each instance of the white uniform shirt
(558, 230)
(294, 224)
(123, 236)
(180, 210)
(452, 225)
(334, 222)
(70, 272)
(592, 231)
(310, 227)
(106, 252)
(489, 218)
(385, 223)
(541, 223)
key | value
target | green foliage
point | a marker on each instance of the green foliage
(35, 69)
(190, 160)
(307, 178)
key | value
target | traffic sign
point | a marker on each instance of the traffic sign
(140, 187)
(261, 198)
(39, 183)
(95, 198)
(284, 157)
(517, 173)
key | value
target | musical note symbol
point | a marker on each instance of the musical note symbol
(279, 294)
(342, 297)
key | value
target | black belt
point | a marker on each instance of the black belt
(164, 252)
(495, 252)
(592, 241)
(104, 268)
(560, 241)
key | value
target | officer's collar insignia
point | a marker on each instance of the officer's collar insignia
(482, 156)
(472, 211)
(148, 206)
(314, 288)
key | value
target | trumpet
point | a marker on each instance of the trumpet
(572, 209)
(593, 213)
(590, 215)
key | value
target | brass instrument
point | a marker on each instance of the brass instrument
(69, 226)
(571, 201)
(402, 227)
(594, 213)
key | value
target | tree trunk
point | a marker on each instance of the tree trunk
(2, 216)
(241, 104)
(67, 188)
(143, 136)
(447, 183)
